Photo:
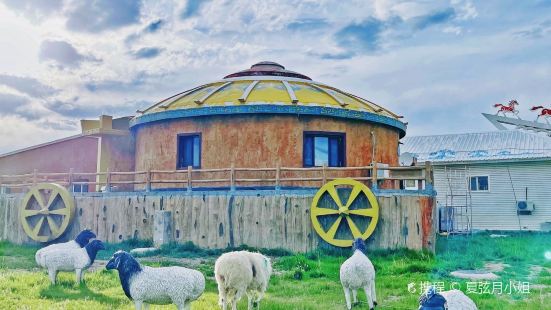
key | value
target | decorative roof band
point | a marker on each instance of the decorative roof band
(269, 109)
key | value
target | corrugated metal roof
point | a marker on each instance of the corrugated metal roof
(484, 146)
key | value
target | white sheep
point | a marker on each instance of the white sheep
(449, 300)
(71, 259)
(358, 272)
(239, 273)
(80, 241)
(161, 286)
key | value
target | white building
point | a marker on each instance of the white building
(489, 181)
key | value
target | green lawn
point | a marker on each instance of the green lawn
(300, 281)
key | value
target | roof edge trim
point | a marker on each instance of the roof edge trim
(270, 109)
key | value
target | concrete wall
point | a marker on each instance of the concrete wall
(259, 141)
(79, 153)
(117, 154)
(220, 219)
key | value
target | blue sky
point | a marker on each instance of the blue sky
(438, 63)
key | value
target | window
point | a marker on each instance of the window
(480, 183)
(189, 151)
(80, 188)
(324, 148)
(412, 185)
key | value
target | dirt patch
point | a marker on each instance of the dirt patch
(186, 262)
(535, 271)
(474, 274)
(538, 286)
(98, 265)
(393, 298)
(495, 266)
(498, 236)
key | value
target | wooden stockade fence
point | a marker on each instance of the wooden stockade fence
(222, 219)
(375, 175)
(276, 219)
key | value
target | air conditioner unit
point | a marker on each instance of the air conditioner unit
(524, 206)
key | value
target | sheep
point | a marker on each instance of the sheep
(358, 272)
(445, 300)
(71, 259)
(80, 241)
(239, 273)
(161, 286)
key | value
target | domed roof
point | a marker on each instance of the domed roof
(268, 68)
(268, 88)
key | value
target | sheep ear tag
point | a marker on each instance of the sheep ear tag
(343, 210)
(46, 211)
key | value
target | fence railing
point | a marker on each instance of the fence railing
(375, 176)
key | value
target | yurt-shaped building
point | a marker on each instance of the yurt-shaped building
(264, 157)
(263, 117)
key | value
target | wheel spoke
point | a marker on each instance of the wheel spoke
(36, 229)
(353, 228)
(333, 192)
(64, 211)
(53, 226)
(38, 197)
(53, 196)
(364, 212)
(325, 211)
(333, 230)
(355, 191)
(27, 213)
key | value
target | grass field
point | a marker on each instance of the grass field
(308, 281)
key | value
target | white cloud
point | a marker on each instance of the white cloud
(14, 129)
(425, 69)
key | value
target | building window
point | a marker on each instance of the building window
(480, 183)
(80, 188)
(412, 185)
(189, 151)
(324, 148)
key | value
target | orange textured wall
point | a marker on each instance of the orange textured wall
(259, 141)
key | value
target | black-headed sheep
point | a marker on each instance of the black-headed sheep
(76, 260)
(445, 300)
(160, 286)
(80, 241)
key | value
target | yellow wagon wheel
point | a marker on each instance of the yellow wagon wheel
(46, 211)
(344, 211)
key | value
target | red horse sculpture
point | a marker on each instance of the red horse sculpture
(509, 108)
(545, 113)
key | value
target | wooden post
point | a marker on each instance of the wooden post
(324, 174)
(108, 181)
(374, 184)
(428, 175)
(148, 180)
(232, 177)
(278, 177)
(70, 180)
(189, 177)
(35, 176)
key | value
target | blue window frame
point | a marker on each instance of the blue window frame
(324, 148)
(80, 188)
(189, 151)
(480, 183)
